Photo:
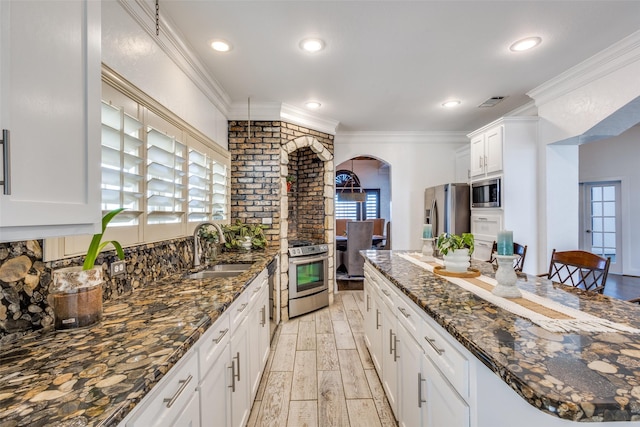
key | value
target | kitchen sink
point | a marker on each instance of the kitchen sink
(220, 270)
(229, 267)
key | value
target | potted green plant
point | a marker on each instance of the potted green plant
(456, 251)
(290, 180)
(238, 233)
(77, 291)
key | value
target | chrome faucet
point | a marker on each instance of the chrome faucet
(196, 240)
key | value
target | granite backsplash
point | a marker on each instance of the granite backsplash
(25, 278)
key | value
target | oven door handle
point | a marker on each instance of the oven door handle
(306, 260)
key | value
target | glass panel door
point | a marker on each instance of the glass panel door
(602, 226)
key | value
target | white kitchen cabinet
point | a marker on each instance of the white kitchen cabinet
(212, 384)
(486, 152)
(259, 336)
(50, 104)
(390, 356)
(411, 401)
(373, 324)
(509, 144)
(174, 397)
(443, 406)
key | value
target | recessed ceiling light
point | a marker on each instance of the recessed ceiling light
(525, 44)
(312, 45)
(314, 105)
(220, 46)
(452, 103)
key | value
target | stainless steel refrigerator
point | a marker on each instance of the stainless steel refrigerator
(447, 208)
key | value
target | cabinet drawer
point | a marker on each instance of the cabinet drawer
(409, 317)
(238, 310)
(168, 398)
(213, 342)
(453, 365)
(486, 226)
(258, 284)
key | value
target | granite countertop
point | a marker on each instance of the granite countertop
(580, 376)
(96, 375)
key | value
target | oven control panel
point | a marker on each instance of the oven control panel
(308, 250)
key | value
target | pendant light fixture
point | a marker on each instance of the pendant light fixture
(354, 194)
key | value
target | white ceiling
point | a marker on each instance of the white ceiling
(389, 65)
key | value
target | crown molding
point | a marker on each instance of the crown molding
(615, 57)
(304, 118)
(368, 137)
(170, 41)
(280, 111)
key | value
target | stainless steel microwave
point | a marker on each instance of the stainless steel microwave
(486, 194)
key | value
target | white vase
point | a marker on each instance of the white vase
(457, 261)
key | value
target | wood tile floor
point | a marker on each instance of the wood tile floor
(319, 372)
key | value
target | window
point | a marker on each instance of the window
(167, 175)
(357, 211)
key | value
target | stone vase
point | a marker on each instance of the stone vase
(506, 278)
(77, 297)
(457, 261)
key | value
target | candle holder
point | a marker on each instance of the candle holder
(506, 278)
(427, 249)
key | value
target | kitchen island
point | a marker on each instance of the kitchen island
(97, 375)
(511, 371)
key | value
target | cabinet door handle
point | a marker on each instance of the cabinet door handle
(480, 161)
(485, 161)
(420, 379)
(233, 376)
(242, 307)
(237, 357)
(6, 163)
(404, 312)
(368, 303)
(264, 317)
(378, 325)
(183, 384)
(222, 334)
(395, 348)
(432, 344)
(390, 341)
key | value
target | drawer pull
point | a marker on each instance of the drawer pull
(390, 341)
(242, 307)
(171, 400)
(378, 325)
(420, 379)
(256, 290)
(432, 343)
(222, 334)
(263, 321)
(404, 312)
(386, 292)
(368, 308)
(481, 218)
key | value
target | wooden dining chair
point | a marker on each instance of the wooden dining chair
(519, 251)
(579, 269)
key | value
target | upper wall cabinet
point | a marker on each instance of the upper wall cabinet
(50, 107)
(486, 152)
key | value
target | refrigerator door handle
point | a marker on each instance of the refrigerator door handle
(434, 217)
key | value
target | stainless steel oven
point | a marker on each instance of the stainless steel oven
(308, 279)
(486, 194)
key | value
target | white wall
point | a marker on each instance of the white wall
(373, 174)
(570, 106)
(132, 52)
(416, 162)
(612, 159)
